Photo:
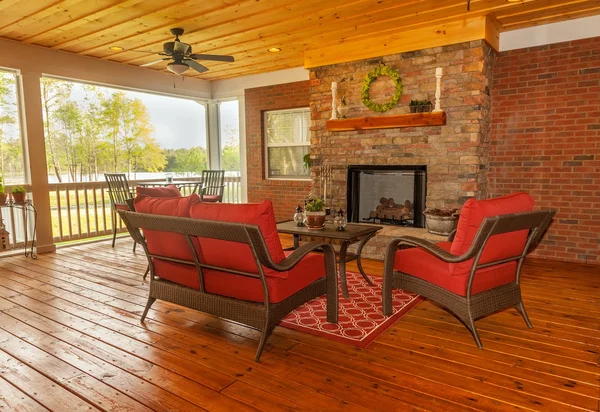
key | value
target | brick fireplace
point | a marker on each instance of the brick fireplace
(455, 154)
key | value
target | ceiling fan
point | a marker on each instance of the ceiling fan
(182, 56)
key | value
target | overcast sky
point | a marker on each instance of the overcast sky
(178, 123)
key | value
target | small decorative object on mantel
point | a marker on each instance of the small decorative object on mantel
(441, 221)
(382, 70)
(299, 216)
(420, 106)
(438, 89)
(339, 221)
(343, 107)
(315, 213)
(333, 101)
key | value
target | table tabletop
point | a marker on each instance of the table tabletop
(351, 231)
(174, 182)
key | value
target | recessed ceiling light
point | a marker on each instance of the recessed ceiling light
(274, 50)
(116, 48)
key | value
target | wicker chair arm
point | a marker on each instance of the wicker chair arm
(298, 254)
(425, 245)
(451, 236)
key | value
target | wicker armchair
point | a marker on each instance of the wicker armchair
(492, 280)
(263, 315)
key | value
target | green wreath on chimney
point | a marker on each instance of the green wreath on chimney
(382, 70)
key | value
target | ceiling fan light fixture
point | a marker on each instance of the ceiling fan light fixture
(177, 67)
(274, 50)
(116, 48)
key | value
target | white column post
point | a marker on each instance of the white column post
(35, 152)
(438, 89)
(333, 101)
(242, 131)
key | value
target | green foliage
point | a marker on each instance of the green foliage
(314, 204)
(370, 78)
(230, 158)
(2, 188)
(188, 162)
(18, 189)
(103, 132)
(307, 161)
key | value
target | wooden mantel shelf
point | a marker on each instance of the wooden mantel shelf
(387, 122)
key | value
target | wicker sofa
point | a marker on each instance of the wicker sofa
(227, 260)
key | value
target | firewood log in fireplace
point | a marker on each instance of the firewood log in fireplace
(388, 209)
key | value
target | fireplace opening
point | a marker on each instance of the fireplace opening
(392, 195)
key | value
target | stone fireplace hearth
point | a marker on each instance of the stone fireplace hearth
(455, 154)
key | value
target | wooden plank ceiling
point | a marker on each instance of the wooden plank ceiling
(245, 29)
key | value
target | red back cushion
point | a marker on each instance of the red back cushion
(233, 255)
(162, 243)
(167, 191)
(498, 247)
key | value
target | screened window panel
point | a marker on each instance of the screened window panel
(288, 141)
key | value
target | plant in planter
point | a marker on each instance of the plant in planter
(414, 105)
(314, 209)
(425, 106)
(18, 194)
(441, 221)
(2, 193)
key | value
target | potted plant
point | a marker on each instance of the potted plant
(307, 161)
(18, 194)
(425, 106)
(314, 209)
(414, 105)
(441, 221)
(2, 193)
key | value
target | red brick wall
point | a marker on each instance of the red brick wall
(545, 140)
(285, 194)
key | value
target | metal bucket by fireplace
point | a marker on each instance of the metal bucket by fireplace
(440, 225)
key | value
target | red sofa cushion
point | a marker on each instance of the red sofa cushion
(498, 247)
(169, 244)
(308, 270)
(419, 263)
(220, 252)
(122, 206)
(167, 191)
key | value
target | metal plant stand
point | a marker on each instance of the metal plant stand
(27, 208)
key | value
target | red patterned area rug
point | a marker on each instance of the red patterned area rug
(360, 317)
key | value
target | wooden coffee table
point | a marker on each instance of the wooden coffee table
(353, 233)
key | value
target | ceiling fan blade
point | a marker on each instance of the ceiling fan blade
(154, 62)
(215, 57)
(195, 65)
(179, 47)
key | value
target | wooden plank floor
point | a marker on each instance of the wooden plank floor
(70, 340)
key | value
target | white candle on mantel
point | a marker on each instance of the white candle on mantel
(334, 85)
(438, 71)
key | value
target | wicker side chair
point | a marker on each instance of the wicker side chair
(468, 305)
(213, 185)
(264, 315)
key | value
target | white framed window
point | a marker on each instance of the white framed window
(13, 164)
(287, 141)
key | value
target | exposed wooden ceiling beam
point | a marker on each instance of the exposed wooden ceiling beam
(438, 35)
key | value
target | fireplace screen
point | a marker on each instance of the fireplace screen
(387, 194)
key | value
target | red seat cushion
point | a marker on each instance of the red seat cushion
(498, 247)
(211, 198)
(417, 262)
(121, 206)
(220, 252)
(171, 245)
(308, 270)
(166, 191)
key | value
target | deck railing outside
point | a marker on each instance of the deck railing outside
(82, 210)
